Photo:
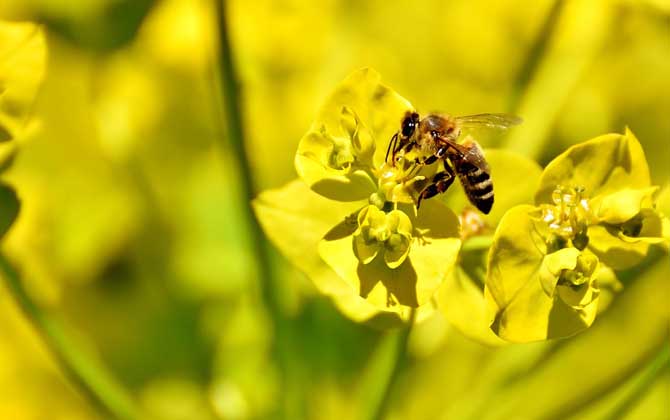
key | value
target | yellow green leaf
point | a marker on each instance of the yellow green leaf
(603, 165)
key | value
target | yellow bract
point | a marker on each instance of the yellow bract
(348, 139)
(601, 166)
(523, 282)
(361, 240)
(547, 263)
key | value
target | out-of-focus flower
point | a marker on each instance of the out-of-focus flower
(173, 27)
(99, 25)
(595, 211)
(22, 65)
(361, 239)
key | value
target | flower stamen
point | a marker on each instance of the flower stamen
(569, 216)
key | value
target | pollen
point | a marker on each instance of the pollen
(570, 213)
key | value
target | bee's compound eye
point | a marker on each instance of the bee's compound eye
(408, 125)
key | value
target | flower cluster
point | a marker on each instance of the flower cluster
(532, 269)
(594, 212)
(386, 257)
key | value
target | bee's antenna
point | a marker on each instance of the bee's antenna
(394, 141)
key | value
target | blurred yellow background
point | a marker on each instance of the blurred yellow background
(131, 226)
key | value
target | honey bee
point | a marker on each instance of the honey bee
(434, 137)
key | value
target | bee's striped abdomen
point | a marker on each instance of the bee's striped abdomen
(477, 185)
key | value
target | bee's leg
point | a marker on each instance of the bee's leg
(439, 154)
(441, 183)
(392, 146)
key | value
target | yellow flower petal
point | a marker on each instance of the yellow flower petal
(521, 301)
(601, 166)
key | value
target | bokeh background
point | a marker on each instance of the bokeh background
(132, 226)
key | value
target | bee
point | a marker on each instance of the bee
(434, 137)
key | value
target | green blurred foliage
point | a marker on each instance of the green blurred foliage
(130, 222)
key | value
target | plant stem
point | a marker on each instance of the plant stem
(570, 40)
(641, 384)
(394, 345)
(477, 243)
(82, 368)
(535, 54)
(231, 102)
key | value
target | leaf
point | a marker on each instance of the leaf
(520, 281)
(356, 123)
(295, 219)
(22, 65)
(515, 180)
(415, 281)
(602, 166)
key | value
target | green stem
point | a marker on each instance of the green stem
(81, 367)
(568, 42)
(232, 114)
(641, 384)
(535, 54)
(477, 243)
(393, 358)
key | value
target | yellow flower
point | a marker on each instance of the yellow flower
(357, 233)
(594, 212)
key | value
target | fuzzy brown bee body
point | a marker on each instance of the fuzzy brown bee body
(435, 137)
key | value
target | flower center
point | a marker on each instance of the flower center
(387, 233)
(568, 217)
(400, 183)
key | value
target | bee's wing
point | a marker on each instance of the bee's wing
(498, 121)
(469, 151)
(473, 154)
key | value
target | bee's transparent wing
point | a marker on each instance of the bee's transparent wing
(497, 121)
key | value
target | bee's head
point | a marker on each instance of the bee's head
(409, 124)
